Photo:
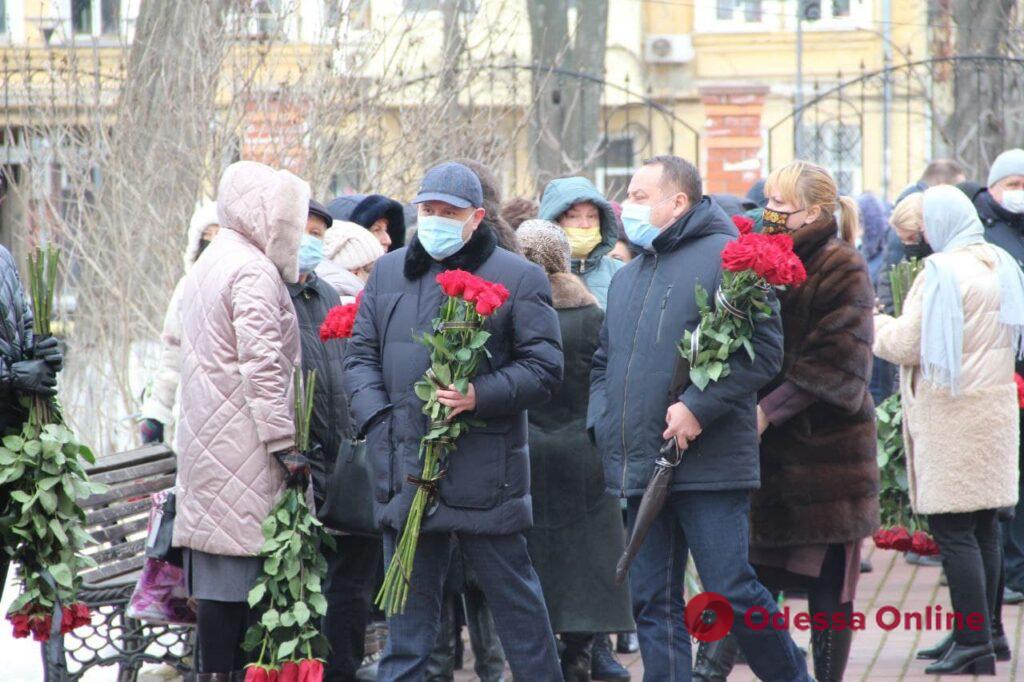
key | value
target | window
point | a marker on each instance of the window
(428, 5)
(837, 147)
(81, 16)
(3, 16)
(96, 17)
(615, 167)
(833, 14)
(738, 10)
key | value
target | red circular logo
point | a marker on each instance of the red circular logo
(709, 617)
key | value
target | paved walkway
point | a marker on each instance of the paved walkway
(879, 654)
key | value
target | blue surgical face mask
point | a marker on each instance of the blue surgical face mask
(636, 219)
(311, 252)
(440, 237)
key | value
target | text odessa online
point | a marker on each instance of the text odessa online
(886, 618)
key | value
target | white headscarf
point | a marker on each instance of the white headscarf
(951, 222)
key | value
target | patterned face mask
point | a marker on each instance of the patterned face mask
(775, 222)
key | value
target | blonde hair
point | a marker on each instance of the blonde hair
(807, 184)
(908, 216)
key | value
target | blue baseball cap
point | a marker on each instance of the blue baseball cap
(453, 184)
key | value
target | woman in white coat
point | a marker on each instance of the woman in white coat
(956, 343)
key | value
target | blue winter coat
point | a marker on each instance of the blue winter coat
(650, 304)
(486, 489)
(598, 268)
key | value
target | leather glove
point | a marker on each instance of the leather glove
(152, 431)
(296, 467)
(34, 376)
(48, 349)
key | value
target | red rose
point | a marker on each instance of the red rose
(487, 302)
(474, 286)
(289, 672)
(67, 621)
(741, 254)
(901, 540)
(273, 675)
(499, 289)
(453, 282)
(80, 615)
(21, 625)
(922, 543)
(256, 673)
(882, 538)
(40, 626)
(311, 670)
(744, 224)
(1019, 380)
(339, 322)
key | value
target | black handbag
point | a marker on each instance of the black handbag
(348, 495)
(158, 544)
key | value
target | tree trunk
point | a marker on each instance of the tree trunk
(567, 112)
(977, 131)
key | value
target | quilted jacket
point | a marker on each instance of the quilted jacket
(239, 350)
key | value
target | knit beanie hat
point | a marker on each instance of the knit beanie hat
(351, 246)
(544, 243)
(1010, 162)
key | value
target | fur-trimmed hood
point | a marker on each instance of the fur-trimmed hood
(204, 216)
(470, 257)
(568, 291)
(268, 208)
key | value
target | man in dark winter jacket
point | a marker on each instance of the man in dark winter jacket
(650, 304)
(350, 565)
(27, 366)
(1001, 209)
(484, 498)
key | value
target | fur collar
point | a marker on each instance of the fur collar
(568, 291)
(810, 238)
(477, 250)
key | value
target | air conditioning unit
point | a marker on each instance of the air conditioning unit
(669, 48)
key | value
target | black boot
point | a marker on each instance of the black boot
(627, 643)
(936, 652)
(576, 657)
(715, 660)
(965, 660)
(604, 667)
(831, 650)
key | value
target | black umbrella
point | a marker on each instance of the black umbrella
(653, 500)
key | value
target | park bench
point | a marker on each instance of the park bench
(117, 520)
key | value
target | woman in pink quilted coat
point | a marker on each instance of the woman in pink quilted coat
(239, 349)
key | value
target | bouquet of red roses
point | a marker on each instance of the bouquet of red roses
(752, 265)
(339, 320)
(456, 347)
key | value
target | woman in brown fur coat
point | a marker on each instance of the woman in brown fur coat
(577, 535)
(819, 477)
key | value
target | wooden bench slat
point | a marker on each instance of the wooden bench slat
(141, 455)
(107, 515)
(97, 576)
(161, 466)
(121, 551)
(119, 532)
(123, 492)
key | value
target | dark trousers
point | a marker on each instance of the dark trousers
(350, 569)
(824, 592)
(969, 542)
(506, 577)
(1013, 539)
(713, 526)
(220, 631)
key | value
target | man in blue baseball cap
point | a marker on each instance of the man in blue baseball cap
(484, 496)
